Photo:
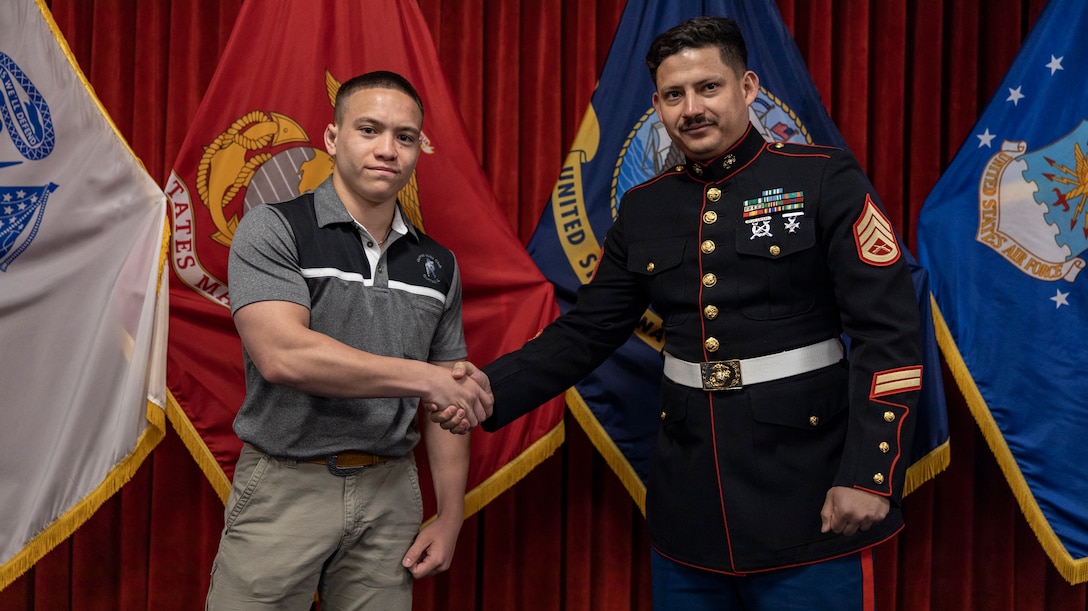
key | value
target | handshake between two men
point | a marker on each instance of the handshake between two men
(475, 404)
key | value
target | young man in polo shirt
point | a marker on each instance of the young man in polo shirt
(349, 317)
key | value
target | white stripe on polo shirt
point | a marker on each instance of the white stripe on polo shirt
(332, 272)
(422, 291)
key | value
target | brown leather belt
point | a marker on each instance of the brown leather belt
(351, 459)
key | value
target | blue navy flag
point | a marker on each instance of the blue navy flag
(621, 143)
(1003, 234)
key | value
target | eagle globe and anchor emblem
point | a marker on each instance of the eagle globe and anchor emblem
(269, 156)
(646, 152)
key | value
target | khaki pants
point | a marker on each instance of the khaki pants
(293, 529)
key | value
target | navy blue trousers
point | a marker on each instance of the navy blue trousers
(839, 584)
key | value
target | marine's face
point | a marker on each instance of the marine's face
(702, 102)
(376, 145)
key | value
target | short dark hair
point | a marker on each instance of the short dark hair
(696, 33)
(379, 79)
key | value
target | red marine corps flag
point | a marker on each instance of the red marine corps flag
(257, 137)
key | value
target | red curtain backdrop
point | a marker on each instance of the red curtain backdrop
(904, 80)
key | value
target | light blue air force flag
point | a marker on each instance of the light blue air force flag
(1003, 234)
(622, 143)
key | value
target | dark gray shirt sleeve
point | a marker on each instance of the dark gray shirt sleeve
(263, 262)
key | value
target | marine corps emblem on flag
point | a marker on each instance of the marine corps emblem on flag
(1032, 206)
(262, 157)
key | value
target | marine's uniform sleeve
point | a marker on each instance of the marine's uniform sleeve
(879, 313)
(568, 349)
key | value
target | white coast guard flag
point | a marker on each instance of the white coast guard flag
(82, 327)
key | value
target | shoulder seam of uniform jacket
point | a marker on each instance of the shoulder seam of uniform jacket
(666, 174)
(799, 154)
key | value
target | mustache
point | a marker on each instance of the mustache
(696, 121)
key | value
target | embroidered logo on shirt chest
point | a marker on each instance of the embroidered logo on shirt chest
(430, 268)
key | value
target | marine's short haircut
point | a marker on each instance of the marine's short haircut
(697, 33)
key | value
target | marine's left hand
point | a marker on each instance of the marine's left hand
(432, 551)
(849, 510)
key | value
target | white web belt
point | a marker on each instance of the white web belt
(736, 373)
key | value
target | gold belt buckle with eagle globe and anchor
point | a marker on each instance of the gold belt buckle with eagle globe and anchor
(721, 375)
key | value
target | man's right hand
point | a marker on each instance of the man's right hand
(460, 419)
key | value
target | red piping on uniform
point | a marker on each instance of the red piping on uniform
(865, 550)
(824, 155)
(664, 174)
(874, 396)
(898, 448)
(750, 162)
(730, 150)
(868, 582)
(710, 395)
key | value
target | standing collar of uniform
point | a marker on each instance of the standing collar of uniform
(730, 162)
(330, 210)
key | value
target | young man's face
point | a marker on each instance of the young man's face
(702, 102)
(376, 145)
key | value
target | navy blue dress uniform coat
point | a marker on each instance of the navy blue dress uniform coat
(764, 249)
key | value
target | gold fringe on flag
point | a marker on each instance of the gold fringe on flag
(512, 472)
(1073, 570)
(927, 467)
(197, 448)
(608, 449)
(63, 527)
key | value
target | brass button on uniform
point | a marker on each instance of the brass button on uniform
(662, 415)
(650, 266)
(679, 168)
(878, 478)
(889, 416)
(711, 344)
(710, 216)
(884, 447)
(713, 194)
(775, 250)
(814, 420)
(709, 280)
(711, 312)
(707, 247)
(778, 145)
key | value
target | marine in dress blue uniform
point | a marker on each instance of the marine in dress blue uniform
(756, 252)
(758, 257)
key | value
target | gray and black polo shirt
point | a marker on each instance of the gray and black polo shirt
(310, 251)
